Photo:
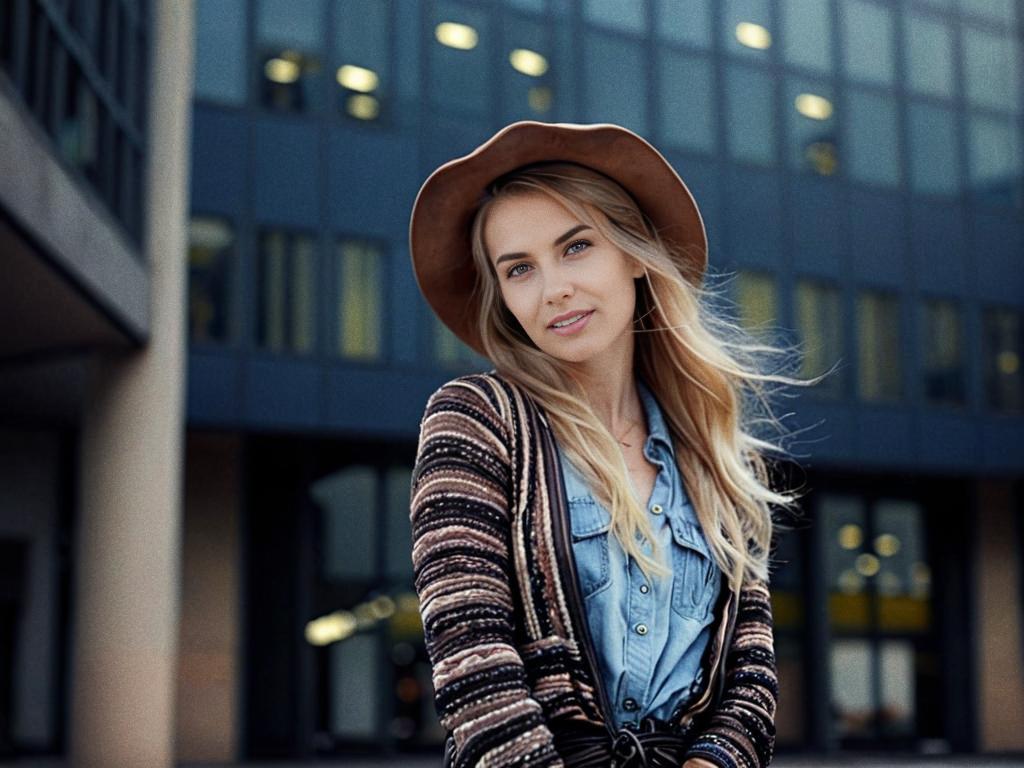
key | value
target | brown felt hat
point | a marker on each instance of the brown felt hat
(439, 228)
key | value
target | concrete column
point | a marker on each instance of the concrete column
(129, 518)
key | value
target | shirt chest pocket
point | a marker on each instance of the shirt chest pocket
(694, 572)
(590, 524)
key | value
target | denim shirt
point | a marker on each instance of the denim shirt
(649, 636)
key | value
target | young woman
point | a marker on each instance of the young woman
(591, 519)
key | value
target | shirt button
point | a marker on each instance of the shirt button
(656, 509)
(644, 589)
(630, 705)
(641, 629)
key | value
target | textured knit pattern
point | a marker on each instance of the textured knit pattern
(507, 660)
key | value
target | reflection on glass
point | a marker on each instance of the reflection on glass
(898, 683)
(750, 114)
(807, 34)
(934, 155)
(1004, 353)
(990, 69)
(852, 685)
(687, 101)
(878, 346)
(873, 138)
(684, 21)
(459, 58)
(614, 76)
(747, 28)
(615, 14)
(362, 33)
(348, 500)
(359, 305)
(286, 292)
(289, 49)
(819, 325)
(354, 686)
(220, 51)
(757, 300)
(943, 354)
(210, 266)
(994, 158)
(811, 127)
(398, 535)
(868, 41)
(929, 46)
(528, 82)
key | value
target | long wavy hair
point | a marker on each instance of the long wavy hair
(706, 373)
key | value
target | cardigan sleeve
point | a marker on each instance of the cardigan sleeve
(741, 731)
(463, 576)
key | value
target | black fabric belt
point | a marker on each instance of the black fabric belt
(650, 744)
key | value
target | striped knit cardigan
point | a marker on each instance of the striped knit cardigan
(507, 644)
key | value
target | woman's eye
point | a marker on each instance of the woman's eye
(514, 272)
(572, 245)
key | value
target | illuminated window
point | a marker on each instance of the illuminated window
(879, 352)
(943, 353)
(449, 350)
(1004, 350)
(757, 300)
(211, 257)
(459, 56)
(285, 319)
(360, 285)
(362, 47)
(289, 53)
(811, 126)
(819, 323)
(528, 88)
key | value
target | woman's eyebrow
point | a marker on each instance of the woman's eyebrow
(558, 241)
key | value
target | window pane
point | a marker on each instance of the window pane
(528, 83)
(687, 101)
(449, 349)
(458, 59)
(287, 266)
(211, 250)
(878, 347)
(756, 297)
(747, 28)
(934, 151)
(943, 363)
(807, 34)
(220, 51)
(1004, 350)
(868, 45)
(399, 532)
(289, 53)
(990, 69)
(359, 308)
(993, 10)
(872, 137)
(929, 46)
(355, 686)
(995, 158)
(904, 576)
(348, 500)
(614, 88)
(362, 34)
(621, 15)
(685, 21)
(811, 127)
(820, 327)
(271, 327)
(751, 126)
(844, 523)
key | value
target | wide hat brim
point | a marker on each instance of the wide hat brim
(440, 225)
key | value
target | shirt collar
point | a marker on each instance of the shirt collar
(656, 425)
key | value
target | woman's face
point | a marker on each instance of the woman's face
(570, 288)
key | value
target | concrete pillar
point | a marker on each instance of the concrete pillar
(126, 601)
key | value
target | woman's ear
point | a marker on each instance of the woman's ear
(638, 269)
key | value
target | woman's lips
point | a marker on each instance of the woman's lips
(579, 325)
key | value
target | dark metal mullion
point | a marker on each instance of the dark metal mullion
(38, 71)
(874, 621)
(19, 38)
(385, 674)
(58, 87)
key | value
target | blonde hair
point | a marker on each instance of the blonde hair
(702, 369)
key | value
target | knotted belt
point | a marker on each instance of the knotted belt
(651, 744)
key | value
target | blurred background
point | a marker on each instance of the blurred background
(214, 357)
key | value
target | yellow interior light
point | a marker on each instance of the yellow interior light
(528, 62)
(363, 106)
(887, 545)
(822, 157)
(357, 78)
(850, 536)
(330, 628)
(539, 98)
(1008, 362)
(281, 70)
(753, 35)
(455, 35)
(813, 106)
(867, 565)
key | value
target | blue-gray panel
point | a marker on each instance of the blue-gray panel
(876, 245)
(754, 217)
(997, 253)
(287, 184)
(218, 160)
(410, 335)
(827, 431)
(701, 177)
(213, 388)
(948, 440)
(282, 392)
(884, 436)
(939, 247)
(373, 181)
(379, 402)
(448, 138)
(1002, 444)
(817, 226)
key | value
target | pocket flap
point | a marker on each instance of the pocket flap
(588, 518)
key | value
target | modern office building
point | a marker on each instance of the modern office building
(859, 167)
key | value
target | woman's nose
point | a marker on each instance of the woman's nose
(558, 288)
